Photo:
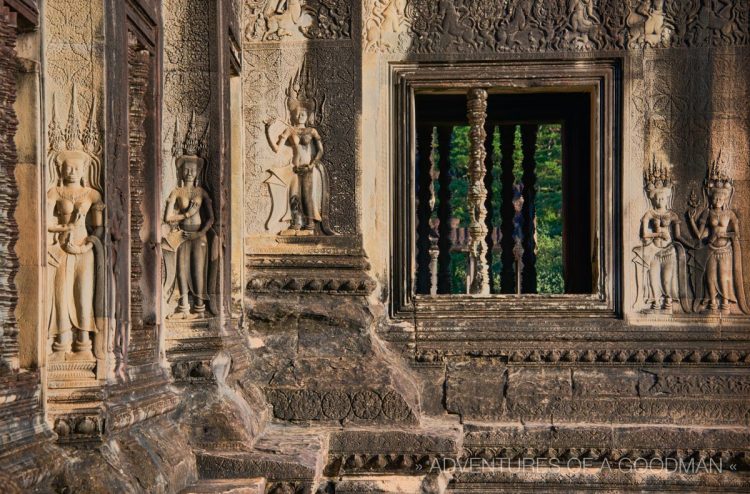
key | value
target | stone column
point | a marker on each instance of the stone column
(479, 278)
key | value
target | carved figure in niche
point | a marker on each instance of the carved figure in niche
(583, 19)
(75, 253)
(191, 251)
(452, 27)
(646, 23)
(719, 254)
(517, 22)
(661, 268)
(384, 23)
(299, 190)
(720, 19)
(283, 18)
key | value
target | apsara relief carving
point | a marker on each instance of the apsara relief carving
(190, 246)
(699, 269)
(75, 226)
(661, 268)
(300, 188)
(718, 254)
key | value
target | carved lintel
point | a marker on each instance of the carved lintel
(478, 277)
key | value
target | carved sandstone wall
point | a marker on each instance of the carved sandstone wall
(267, 135)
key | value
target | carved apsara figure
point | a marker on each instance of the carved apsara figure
(190, 249)
(304, 182)
(660, 260)
(717, 229)
(75, 226)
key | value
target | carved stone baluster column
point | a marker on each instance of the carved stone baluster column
(139, 71)
(444, 210)
(507, 276)
(479, 279)
(528, 145)
(424, 209)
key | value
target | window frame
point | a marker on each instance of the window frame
(601, 78)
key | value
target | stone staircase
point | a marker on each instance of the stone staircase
(293, 459)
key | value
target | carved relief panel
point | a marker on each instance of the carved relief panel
(280, 20)
(189, 244)
(533, 26)
(300, 189)
(8, 193)
(75, 226)
(698, 128)
(281, 85)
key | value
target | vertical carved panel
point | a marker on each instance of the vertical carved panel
(74, 49)
(268, 72)
(8, 190)
(479, 282)
(143, 337)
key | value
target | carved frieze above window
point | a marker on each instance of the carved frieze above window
(434, 26)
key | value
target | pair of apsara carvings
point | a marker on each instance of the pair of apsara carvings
(76, 249)
(699, 270)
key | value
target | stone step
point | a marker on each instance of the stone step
(289, 454)
(233, 486)
(394, 451)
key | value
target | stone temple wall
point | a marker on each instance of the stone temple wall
(151, 150)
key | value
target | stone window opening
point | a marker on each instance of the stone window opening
(536, 185)
(509, 183)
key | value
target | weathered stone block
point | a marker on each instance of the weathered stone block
(604, 383)
(476, 388)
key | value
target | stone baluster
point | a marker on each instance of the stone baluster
(528, 146)
(479, 282)
(488, 178)
(424, 208)
(507, 276)
(445, 212)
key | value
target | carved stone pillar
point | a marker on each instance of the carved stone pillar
(479, 282)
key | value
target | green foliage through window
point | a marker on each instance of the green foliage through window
(549, 221)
